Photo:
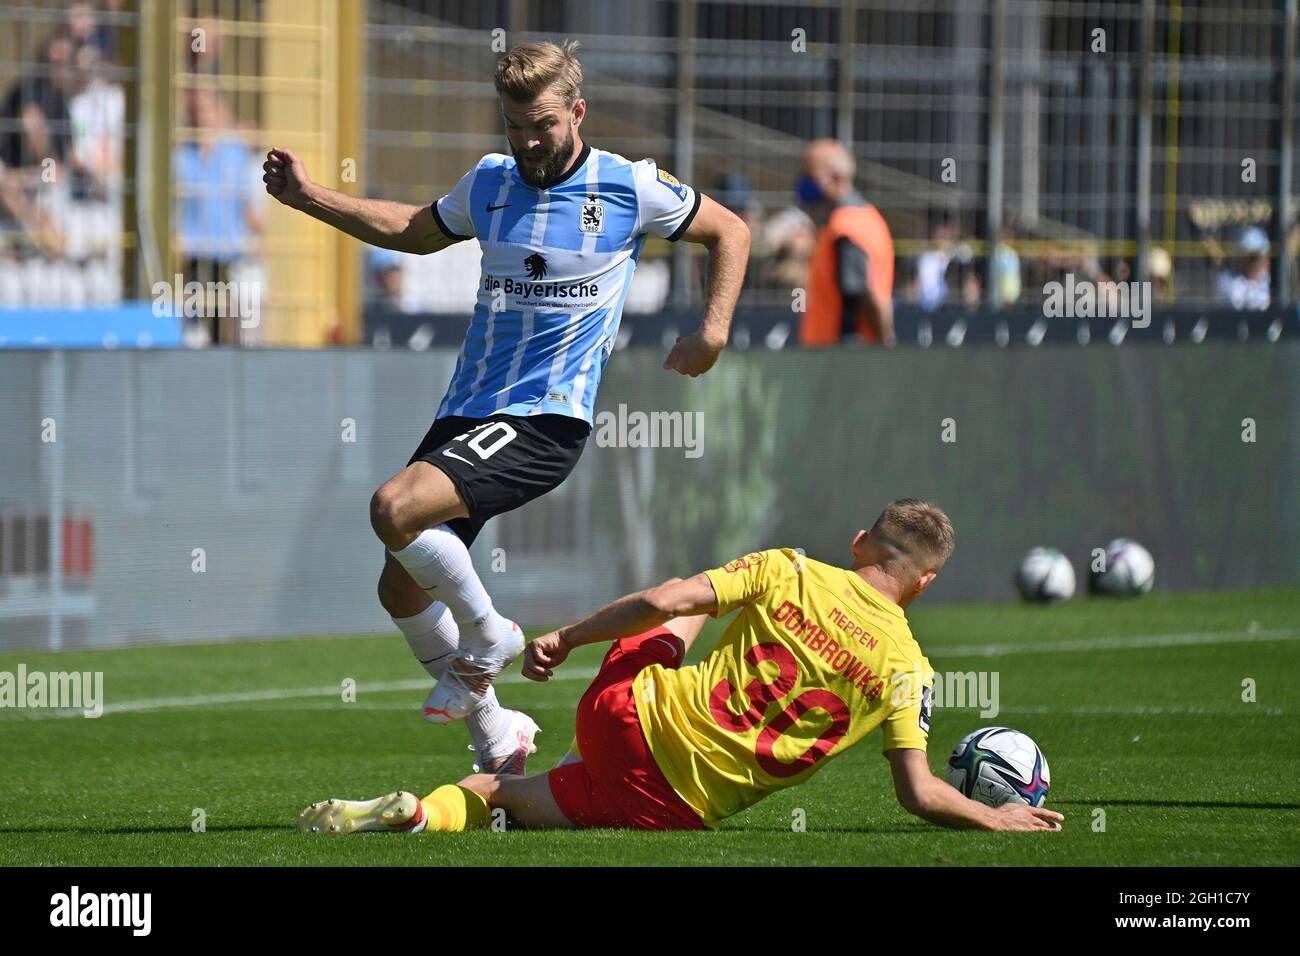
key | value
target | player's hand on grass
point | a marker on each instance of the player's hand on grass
(286, 177)
(1020, 816)
(543, 655)
(694, 355)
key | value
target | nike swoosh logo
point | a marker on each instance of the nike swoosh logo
(495, 208)
(451, 454)
(667, 644)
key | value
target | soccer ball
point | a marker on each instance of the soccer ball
(997, 765)
(1129, 570)
(1045, 574)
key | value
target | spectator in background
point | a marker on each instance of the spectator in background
(908, 282)
(932, 267)
(101, 31)
(1244, 285)
(787, 240)
(386, 278)
(219, 218)
(81, 24)
(36, 110)
(1004, 268)
(1160, 269)
(851, 273)
(964, 276)
(36, 128)
(948, 273)
(98, 117)
(1079, 259)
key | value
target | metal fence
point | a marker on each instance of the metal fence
(1138, 140)
(1008, 142)
(68, 128)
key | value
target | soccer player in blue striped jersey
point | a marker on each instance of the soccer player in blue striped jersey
(561, 225)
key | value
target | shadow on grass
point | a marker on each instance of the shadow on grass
(865, 831)
(1181, 804)
(119, 831)
(263, 827)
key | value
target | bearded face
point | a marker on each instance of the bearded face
(542, 134)
(543, 165)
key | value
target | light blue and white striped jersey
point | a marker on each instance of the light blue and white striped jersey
(557, 265)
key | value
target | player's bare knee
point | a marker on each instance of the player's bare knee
(381, 510)
(387, 517)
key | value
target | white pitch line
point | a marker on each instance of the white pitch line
(1244, 710)
(270, 694)
(1113, 643)
(956, 650)
(409, 706)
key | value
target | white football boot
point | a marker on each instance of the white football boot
(468, 676)
(510, 755)
(399, 812)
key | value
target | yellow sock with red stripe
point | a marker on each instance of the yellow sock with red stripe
(452, 808)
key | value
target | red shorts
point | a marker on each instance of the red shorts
(618, 783)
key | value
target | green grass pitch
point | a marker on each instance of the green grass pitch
(1137, 705)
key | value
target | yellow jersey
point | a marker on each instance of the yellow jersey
(816, 660)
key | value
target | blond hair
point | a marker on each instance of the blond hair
(529, 69)
(916, 534)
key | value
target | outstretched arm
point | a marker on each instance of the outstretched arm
(852, 272)
(925, 795)
(390, 225)
(629, 615)
(879, 315)
(726, 237)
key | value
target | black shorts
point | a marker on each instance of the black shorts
(502, 462)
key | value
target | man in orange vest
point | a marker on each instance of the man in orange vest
(851, 273)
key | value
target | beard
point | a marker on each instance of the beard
(551, 168)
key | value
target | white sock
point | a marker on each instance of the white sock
(488, 727)
(432, 635)
(439, 562)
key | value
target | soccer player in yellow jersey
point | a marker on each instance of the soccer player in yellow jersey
(817, 658)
